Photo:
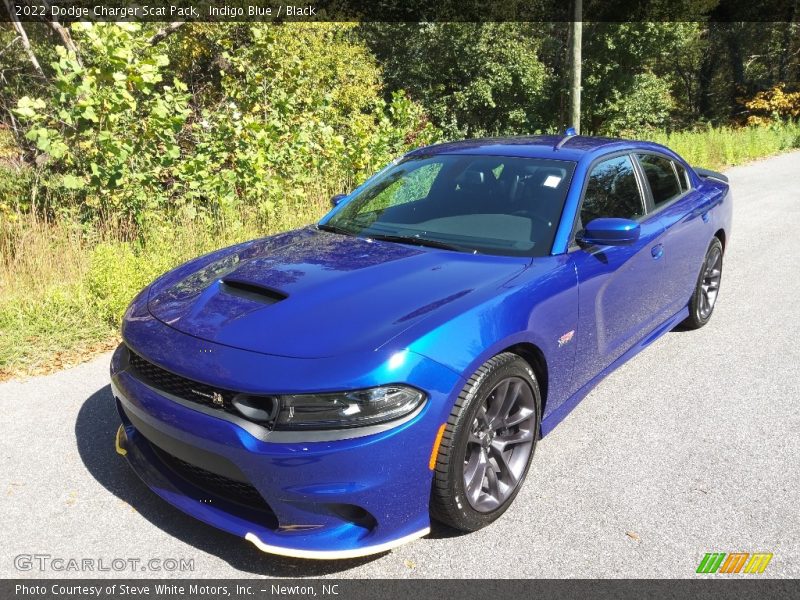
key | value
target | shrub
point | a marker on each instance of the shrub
(644, 107)
(299, 115)
(287, 129)
(110, 128)
(773, 105)
(717, 147)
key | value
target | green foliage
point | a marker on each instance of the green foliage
(35, 328)
(15, 188)
(117, 272)
(299, 111)
(302, 111)
(473, 79)
(73, 305)
(17, 77)
(645, 107)
(628, 84)
(14, 180)
(719, 147)
(110, 128)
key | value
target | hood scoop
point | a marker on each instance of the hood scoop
(251, 291)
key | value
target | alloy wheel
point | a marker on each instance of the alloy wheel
(709, 287)
(499, 444)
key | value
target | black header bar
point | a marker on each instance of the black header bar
(476, 11)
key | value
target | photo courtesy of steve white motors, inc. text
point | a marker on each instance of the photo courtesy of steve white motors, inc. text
(172, 589)
(101, 11)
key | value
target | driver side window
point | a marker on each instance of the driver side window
(612, 191)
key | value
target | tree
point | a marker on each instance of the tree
(474, 79)
(629, 75)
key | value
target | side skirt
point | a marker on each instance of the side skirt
(558, 415)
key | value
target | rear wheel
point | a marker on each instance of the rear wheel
(488, 444)
(701, 306)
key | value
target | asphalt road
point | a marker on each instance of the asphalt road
(692, 447)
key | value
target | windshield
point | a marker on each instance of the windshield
(486, 204)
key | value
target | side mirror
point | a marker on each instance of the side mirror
(337, 198)
(609, 232)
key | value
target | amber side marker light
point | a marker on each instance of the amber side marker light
(118, 441)
(436, 443)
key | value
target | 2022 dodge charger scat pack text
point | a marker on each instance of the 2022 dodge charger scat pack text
(325, 392)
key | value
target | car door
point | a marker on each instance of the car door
(620, 287)
(683, 211)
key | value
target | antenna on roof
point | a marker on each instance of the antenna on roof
(568, 134)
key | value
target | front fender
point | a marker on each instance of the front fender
(539, 308)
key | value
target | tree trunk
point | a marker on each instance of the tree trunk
(64, 34)
(26, 44)
(707, 64)
(736, 62)
(784, 56)
(162, 33)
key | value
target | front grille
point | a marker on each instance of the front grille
(188, 389)
(220, 486)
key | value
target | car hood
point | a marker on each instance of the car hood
(311, 294)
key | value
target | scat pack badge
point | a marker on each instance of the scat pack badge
(566, 338)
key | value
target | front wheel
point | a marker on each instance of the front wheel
(487, 444)
(701, 306)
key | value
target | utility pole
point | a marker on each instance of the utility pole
(575, 65)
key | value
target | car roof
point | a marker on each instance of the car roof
(573, 148)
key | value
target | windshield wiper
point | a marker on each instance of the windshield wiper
(418, 241)
(335, 229)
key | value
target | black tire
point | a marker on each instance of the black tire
(505, 374)
(701, 306)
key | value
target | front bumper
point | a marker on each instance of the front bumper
(325, 499)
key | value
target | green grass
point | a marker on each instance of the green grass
(63, 289)
(717, 148)
(61, 297)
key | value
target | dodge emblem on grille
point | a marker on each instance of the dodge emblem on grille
(215, 397)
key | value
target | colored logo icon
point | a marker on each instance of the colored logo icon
(735, 562)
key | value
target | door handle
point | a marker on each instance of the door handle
(657, 251)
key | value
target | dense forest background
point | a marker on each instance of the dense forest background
(120, 121)
(125, 148)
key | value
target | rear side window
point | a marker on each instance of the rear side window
(683, 177)
(612, 191)
(662, 178)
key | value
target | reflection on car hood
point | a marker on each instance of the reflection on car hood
(310, 293)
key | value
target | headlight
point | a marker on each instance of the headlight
(335, 410)
(347, 409)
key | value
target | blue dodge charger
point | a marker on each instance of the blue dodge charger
(326, 392)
